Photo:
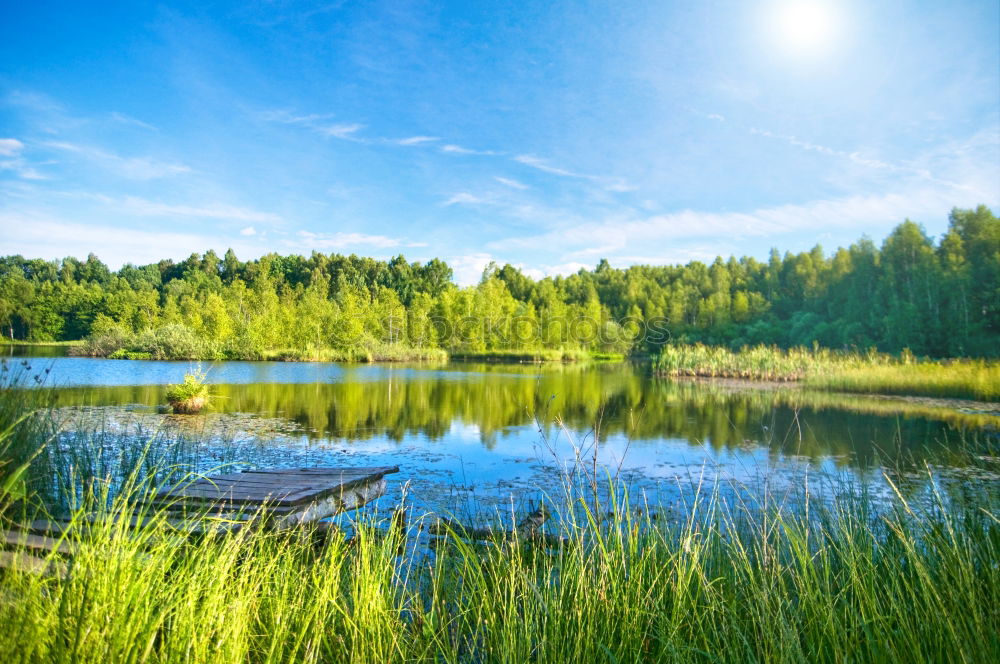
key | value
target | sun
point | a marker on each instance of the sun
(805, 28)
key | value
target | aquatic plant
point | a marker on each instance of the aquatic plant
(868, 372)
(190, 396)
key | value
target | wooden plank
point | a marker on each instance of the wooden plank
(191, 526)
(367, 470)
(25, 540)
(247, 497)
(319, 484)
(24, 562)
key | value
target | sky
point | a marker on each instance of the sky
(545, 134)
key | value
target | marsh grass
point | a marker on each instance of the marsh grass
(869, 372)
(191, 395)
(534, 356)
(720, 580)
(969, 379)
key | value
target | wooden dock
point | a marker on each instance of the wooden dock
(290, 496)
(281, 498)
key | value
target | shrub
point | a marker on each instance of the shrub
(190, 396)
(171, 342)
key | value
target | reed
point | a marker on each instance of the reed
(868, 372)
(718, 580)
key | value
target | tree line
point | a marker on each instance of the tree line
(937, 297)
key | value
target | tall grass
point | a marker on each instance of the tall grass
(975, 379)
(718, 581)
(868, 372)
(535, 355)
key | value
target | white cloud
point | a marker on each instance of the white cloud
(855, 157)
(248, 231)
(542, 165)
(10, 147)
(458, 149)
(716, 117)
(342, 131)
(465, 198)
(145, 207)
(468, 268)
(608, 183)
(342, 240)
(316, 122)
(39, 235)
(136, 168)
(861, 213)
(129, 120)
(417, 140)
(286, 117)
(511, 183)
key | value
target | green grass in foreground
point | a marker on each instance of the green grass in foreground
(719, 583)
(841, 371)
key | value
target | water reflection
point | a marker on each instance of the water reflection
(498, 405)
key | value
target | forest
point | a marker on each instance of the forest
(934, 297)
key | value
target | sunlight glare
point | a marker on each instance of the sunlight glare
(805, 28)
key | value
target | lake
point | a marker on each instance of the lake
(469, 435)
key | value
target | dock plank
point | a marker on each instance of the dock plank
(36, 543)
(285, 489)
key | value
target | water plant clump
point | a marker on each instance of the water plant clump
(190, 396)
(868, 372)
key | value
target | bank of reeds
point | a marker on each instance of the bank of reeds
(870, 372)
(534, 356)
(716, 581)
(176, 342)
(965, 379)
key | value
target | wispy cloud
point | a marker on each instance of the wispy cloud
(344, 240)
(854, 156)
(43, 236)
(417, 140)
(135, 168)
(248, 231)
(317, 122)
(10, 147)
(287, 117)
(514, 184)
(124, 119)
(543, 165)
(145, 207)
(465, 198)
(609, 183)
(458, 149)
(468, 268)
(342, 131)
(623, 230)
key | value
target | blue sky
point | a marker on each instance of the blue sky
(544, 134)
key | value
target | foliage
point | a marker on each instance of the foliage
(713, 578)
(939, 299)
(193, 388)
(869, 372)
(968, 379)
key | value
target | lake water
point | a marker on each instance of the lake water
(489, 434)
